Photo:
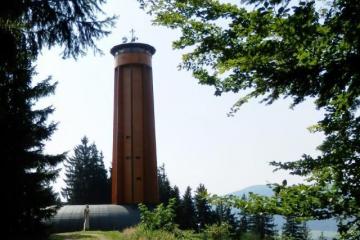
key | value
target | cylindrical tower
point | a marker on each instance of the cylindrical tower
(134, 168)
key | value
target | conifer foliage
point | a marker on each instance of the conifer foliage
(86, 176)
(165, 189)
(187, 208)
(26, 27)
(23, 132)
(262, 225)
(204, 214)
(294, 229)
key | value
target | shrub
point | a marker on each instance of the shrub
(217, 231)
(161, 218)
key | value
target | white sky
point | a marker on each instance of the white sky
(196, 141)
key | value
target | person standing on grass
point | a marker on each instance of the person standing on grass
(86, 218)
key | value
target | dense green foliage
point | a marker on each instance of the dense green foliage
(162, 217)
(26, 27)
(281, 48)
(86, 177)
(243, 220)
(220, 231)
(186, 213)
(162, 220)
(211, 218)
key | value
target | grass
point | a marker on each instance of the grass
(138, 233)
(88, 235)
(128, 234)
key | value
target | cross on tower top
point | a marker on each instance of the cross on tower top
(133, 38)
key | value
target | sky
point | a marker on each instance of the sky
(196, 140)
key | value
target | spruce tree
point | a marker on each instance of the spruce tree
(175, 194)
(223, 214)
(86, 176)
(262, 225)
(23, 132)
(294, 229)
(204, 215)
(187, 220)
(165, 190)
(26, 27)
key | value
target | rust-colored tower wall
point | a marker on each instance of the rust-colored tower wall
(134, 168)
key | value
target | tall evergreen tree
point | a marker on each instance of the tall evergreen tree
(167, 192)
(262, 225)
(25, 28)
(187, 208)
(23, 132)
(204, 215)
(294, 229)
(223, 214)
(175, 194)
(165, 189)
(86, 176)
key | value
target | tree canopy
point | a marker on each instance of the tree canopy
(73, 25)
(275, 49)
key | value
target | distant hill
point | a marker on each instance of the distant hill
(316, 225)
(258, 189)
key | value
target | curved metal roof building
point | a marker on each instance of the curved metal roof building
(102, 217)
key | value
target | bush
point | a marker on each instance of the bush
(217, 231)
(161, 218)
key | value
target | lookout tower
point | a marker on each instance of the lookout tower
(134, 167)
